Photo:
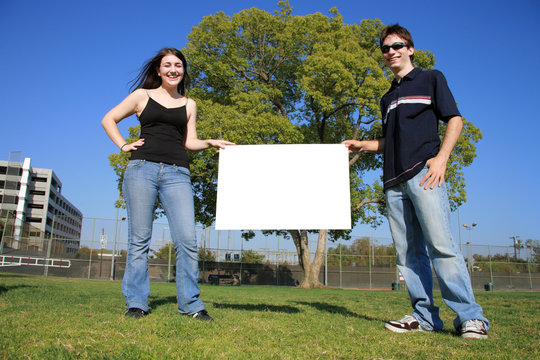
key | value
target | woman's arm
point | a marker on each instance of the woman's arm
(129, 106)
(192, 142)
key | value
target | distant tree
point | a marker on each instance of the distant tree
(252, 257)
(206, 255)
(360, 252)
(163, 252)
(341, 254)
(84, 253)
(499, 263)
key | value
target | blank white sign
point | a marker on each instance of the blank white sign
(280, 187)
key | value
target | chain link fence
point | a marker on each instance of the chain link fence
(226, 258)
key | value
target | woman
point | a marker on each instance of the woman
(159, 167)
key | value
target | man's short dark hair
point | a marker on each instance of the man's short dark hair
(398, 30)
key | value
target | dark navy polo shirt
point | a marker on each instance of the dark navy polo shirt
(411, 111)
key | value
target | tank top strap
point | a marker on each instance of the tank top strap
(147, 93)
(187, 99)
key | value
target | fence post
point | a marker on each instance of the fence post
(217, 253)
(490, 268)
(369, 261)
(91, 248)
(169, 265)
(114, 245)
(3, 233)
(203, 242)
(242, 256)
(46, 270)
(277, 262)
(326, 265)
(529, 257)
(340, 275)
(469, 260)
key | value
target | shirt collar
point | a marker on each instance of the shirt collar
(410, 76)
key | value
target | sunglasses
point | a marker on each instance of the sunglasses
(396, 46)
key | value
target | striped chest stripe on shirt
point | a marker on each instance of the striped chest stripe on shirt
(407, 100)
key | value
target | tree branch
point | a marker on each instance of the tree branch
(364, 202)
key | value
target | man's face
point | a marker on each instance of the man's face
(397, 60)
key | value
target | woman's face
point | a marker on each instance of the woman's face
(171, 70)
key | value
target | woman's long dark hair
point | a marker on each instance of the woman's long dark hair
(148, 77)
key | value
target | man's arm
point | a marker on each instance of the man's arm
(374, 146)
(437, 165)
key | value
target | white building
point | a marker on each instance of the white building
(31, 198)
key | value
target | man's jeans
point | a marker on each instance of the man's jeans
(420, 225)
(144, 181)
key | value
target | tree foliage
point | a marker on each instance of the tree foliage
(84, 253)
(163, 252)
(204, 254)
(499, 263)
(360, 253)
(207, 255)
(252, 257)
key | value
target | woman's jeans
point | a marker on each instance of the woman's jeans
(144, 182)
(420, 225)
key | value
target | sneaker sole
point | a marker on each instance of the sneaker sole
(392, 328)
(471, 335)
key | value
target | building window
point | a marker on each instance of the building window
(33, 220)
(39, 179)
(35, 206)
(10, 170)
(10, 185)
(9, 199)
(37, 192)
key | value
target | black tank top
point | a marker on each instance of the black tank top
(164, 132)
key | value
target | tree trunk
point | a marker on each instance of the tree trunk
(310, 269)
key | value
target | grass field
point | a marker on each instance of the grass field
(59, 318)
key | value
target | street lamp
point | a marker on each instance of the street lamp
(469, 228)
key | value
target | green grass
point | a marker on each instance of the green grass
(59, 318)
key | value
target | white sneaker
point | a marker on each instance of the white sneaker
(408, 324)
(473, 329)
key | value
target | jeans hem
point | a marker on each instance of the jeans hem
(190, 313)
(138, 305)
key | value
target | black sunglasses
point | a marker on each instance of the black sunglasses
(396, 46)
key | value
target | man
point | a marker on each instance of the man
(418, 210)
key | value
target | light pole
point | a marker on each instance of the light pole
(469, 228)
(117, 230)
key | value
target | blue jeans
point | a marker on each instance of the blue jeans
(420, 225)
(144, 181)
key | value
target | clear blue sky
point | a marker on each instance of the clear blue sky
(65, 63)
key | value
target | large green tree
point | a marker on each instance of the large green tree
(262, 78)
